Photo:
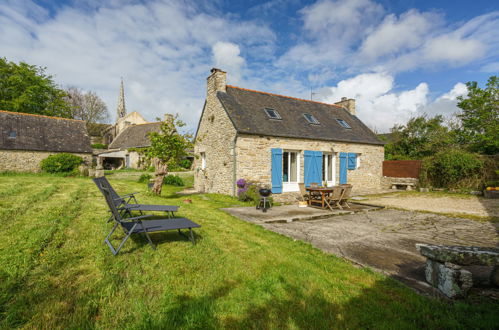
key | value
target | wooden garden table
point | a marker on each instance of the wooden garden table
(324, 191)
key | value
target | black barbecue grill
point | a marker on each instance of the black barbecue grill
(264, 199)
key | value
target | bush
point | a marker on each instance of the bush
(61, 163)
(173, 180)
(248, 191)
(145, 178)
(454, 168)
(185, 163)
(99, 146)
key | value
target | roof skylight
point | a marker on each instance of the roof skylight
(342, 123)
(272, 113)
(311, 119)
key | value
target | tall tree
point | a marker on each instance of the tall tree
(168, 147)
(87, 106)
(26, 88)
(480, 117)
(420, 137)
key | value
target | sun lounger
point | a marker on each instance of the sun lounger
(135, 225)
(126, 208)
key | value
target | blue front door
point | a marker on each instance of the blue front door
(343, 167)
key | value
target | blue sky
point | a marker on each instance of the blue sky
(396, 58)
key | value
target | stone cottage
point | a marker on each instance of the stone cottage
(122, 151)
(279, 141)
(27, 139)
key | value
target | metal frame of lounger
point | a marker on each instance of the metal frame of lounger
(121, 202)
(135, 225)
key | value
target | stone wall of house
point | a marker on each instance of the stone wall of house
(29, 161)
(254, 161)
(215, 137)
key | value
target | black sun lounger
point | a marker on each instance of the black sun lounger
(123, 205)
(135, 225)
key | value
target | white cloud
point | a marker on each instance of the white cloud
(395, 35)
(162, 49)
(380, 107)
(226, 55)
(459, 89)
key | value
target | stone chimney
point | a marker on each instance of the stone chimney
(217, 81)
(348, 104)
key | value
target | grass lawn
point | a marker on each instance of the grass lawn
(56, 272)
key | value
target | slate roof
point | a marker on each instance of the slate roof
(135, 136)
(23, 131)
(246, 110)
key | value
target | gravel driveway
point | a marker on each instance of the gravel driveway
(472, 205)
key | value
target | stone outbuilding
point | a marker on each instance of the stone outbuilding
(122, 151)
(27, 139)
(279, 141)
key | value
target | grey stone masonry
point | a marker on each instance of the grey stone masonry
(461, 255)
(443, 266)
(450, 279)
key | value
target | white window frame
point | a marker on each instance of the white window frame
(291, 186)
(358, 162)
(332, 181)
(203, 160)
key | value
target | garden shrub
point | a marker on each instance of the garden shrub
(173, 180)
(61, 163)
(248, 191)
(145, 178)
(454, 168)
(185, 163)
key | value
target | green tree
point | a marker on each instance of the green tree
(420, 137)
(480, 117)
(168, 148)
(26, 88)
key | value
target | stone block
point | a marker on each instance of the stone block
(450, 279)
(461, 255)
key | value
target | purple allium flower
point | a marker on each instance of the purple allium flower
(241, 183)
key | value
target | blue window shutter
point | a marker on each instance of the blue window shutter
(307, 167)
(343, 167)
(276, 171)
(352, 161)
(318, 166)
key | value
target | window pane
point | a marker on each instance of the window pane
(293, 174)
(324, 176)
(330, 167)
(285, 170)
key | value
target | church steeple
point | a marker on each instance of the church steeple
(121, 103)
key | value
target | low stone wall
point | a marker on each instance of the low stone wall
(29, 161)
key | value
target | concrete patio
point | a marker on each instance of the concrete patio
(290, 213)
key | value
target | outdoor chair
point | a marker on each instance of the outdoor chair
(335, 198)
(135, 225)
(303, 192)
(122, 202)
(347, 191)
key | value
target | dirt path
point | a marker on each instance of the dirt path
(476, 206)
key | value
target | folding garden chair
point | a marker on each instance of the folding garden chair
(347, 191)
(122, 202)
(135, 225)
(335, 198)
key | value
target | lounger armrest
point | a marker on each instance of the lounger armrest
(129, 195)
(140, 217)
